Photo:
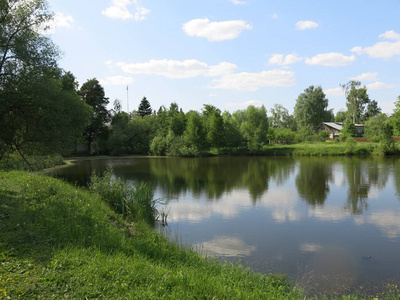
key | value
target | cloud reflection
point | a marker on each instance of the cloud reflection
(226, 246)
(387, 221)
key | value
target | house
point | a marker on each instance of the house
(334, 128)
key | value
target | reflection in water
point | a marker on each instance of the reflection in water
(322, 214)
(226, 246)
(387, 221)
(312, 180)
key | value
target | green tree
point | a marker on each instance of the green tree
(214, 126)
(253, 125)
(357, 100)
(281, 118)
(40, 112)
(375, 127)
(395, 118)
(341, 116)
(312, 108)
(93, 94)
(195, 134)
(144, 108)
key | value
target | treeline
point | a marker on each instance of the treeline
(44, 111)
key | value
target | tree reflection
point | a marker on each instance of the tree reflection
(218, 175)
(312, 180)
(362, 174)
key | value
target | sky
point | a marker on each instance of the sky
(230, 53)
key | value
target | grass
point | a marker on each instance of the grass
(36, 163)
(133, 202)
(319, 149)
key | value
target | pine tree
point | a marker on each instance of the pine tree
(144, 108)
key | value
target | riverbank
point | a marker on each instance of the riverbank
(57, 241)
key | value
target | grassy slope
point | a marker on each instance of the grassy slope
(57, 241)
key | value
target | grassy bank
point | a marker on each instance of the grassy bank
(59, 242)
(312, 149)
(32, 163)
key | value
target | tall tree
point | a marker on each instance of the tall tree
(39, 112)
(253, 126)
(144, 108)
(93, 94)
(214, 126)
(312, 108)
(357, 100)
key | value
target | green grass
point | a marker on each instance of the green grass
(319, 149)
(36, 163)
(61, 242)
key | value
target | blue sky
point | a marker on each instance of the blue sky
(230, 53)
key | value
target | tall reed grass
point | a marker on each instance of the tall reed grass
(134, 202)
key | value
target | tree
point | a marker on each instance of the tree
(357, 100)
(253, 125)
(93, 94)
(280, 117)
(311, 108)
(40, 112)
(375, 127)
(144, 108)
(395, 118)
(341, 116)
(214, 125)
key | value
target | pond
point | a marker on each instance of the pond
(331, 223)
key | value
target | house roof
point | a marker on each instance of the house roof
(337, 126)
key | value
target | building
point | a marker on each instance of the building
(334, 128)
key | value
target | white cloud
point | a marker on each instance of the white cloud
(275, 16)
(302, 25)
(253, 81)
(245, 104)
(60, 20)
(390, 35)
(334, 92)
(119, 10)
(382, 49)
(237, 2)
(366, 77)
(282, 60)
(116, 80)
(215, 31)
(379, 86)
(332, 59)
(177, 69)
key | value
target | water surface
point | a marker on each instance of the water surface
(331, 224)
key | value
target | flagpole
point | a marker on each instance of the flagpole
(127, 98)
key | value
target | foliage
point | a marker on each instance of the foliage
(93, 94)
(312, 108)
(359, 107)
(375, 127)
(281, 118)
(395, 118)
(350, 145)
(349, 130)
(253, 125)
(144, 108)
(35, 95)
